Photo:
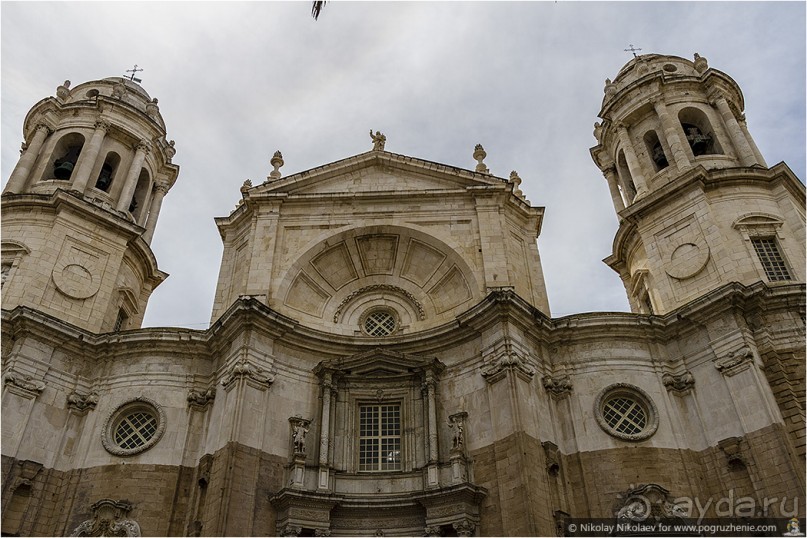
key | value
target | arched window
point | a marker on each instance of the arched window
(656, 151)
(698, 132)
(65, 156)
(140, 197)
(107, 173)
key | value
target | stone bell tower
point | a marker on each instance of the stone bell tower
(81, 206)
(697, 203)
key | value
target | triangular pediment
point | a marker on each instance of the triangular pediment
(380, 363)
(376, 172)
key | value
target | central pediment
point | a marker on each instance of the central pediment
(380, 362)
(376, 172)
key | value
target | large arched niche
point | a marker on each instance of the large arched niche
(337, 283)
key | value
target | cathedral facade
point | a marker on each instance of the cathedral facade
(381, 358)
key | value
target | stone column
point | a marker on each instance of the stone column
(20, 174)
(160, 190)
(131, 178)
(738, 140)
(430, 383)
(613, 188)
(632, 161)
(671, 127)
(325, 430)
(88, 157)
(754, 148)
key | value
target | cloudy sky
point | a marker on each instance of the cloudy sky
(238, 81)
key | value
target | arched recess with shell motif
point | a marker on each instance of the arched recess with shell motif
(416, 278)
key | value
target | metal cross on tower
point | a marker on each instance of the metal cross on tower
(135, 70)
(629, 49)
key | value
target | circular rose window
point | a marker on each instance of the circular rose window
(134, 427)
(626, 412)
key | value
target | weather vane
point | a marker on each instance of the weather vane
(135, 70)
(629, 49)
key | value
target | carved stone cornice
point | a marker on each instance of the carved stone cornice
(679, 384)
(557, 386)
(253, 375)
(200, 399)
(735, 362)
(26, 386)
(506, 363)
(81, 403)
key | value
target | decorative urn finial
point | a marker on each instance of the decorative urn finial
(276, 162)
(479, 155)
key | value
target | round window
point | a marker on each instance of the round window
(380, 322)
(135, 426)
(670, 68)
(626, 412)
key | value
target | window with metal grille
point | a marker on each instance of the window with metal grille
(625, 415)
(135, 430)
(120, 321)
(380, 323)
(380, 437)
(771, 259)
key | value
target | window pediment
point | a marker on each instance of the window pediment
(380, 363)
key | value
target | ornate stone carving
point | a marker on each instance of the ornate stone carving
(378, 140)
(118, 90)
(457, 423)
(479, 155)
(322, 532)
(508, 362)
(379, 287)
(552, 457)
(253, 375)
(679, 384)
(170, 150)
(647, 502)
(152, 109)
(201, 399)
(27, 471)
(299, 429)
(276, 162)
(516, 181)
(610, 88)
(144, 146)
(598, 132)
(82, 402)
(290, 530)
(63, 91)
(735, 362)
(432, 530)
(109, 519)
(701, 64)
(25, 386)
(558, 386)
(732, 447)
(464, 528)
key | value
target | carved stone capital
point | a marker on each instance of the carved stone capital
(252, 375)
(290, 530)
(43, 127)
(508, 363)
(678, 384)
(732, 448)
(144, 146)
(735, 362)
(558, 386)
(102, 125)
(432, 530)
(25, 386)
(552, 454)
(464, 528)
(81, 403)
(200, 399)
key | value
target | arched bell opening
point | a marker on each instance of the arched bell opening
(629, 188)
(108, 170)
(139, 199)
(656, 151)
(64, 157)
(699, 133)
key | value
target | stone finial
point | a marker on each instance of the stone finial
(246, 186)
(170, 151)
(152, 109)
(276, 162)
(63, 91)
(598, 131)
(516, 181)
(379, 140)
(701, 64)
(479, 155)
(610, 88)
(118, 90)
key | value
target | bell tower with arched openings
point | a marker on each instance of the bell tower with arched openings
(81, 206)
(698, 205)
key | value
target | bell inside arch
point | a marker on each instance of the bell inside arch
(700, 143)
(63, 167)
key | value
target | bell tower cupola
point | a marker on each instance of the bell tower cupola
(81, 206)
(697, 204)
